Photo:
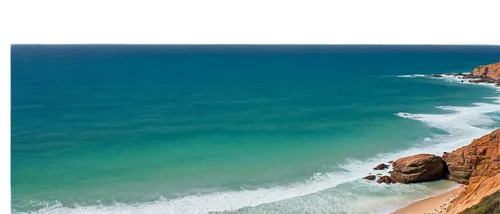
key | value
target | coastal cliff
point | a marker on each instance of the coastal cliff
(489, 204)
(477, 165)
(489, 74)
(490, 70)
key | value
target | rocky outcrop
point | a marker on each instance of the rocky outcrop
(483, 79)
(489, 204)
(417, 168)
(478, 158)
(381, 167)
(445, 155)
(370, 177)
(477, 165)
(479, 188)
(485, 74)
(482, 74)
(385, 179)
(491, 70)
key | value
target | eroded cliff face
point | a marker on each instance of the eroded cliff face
(490, 70)
(478, 165)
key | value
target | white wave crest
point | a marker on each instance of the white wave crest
(467, 120)
(219, 201)
(412, 75)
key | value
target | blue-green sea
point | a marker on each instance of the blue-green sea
(235, 128)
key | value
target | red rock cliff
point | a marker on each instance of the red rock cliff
(477, 164)
(490, 70)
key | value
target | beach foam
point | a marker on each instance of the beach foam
(412, 75)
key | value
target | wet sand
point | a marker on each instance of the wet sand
(435, 204)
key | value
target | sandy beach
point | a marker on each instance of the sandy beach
(435, 204)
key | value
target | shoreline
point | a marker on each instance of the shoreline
(488, 74)
(456, 78)
(433, 204)
(439, 203)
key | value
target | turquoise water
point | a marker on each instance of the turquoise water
(239, 129)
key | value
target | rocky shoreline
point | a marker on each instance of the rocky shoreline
(476, 165)
(489, 74)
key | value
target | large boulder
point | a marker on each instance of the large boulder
(478, 165)
(417, 168)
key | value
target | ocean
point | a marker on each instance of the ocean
(235, 128)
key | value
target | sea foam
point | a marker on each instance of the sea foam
(412, 75)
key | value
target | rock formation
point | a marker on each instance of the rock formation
(489, 204)
(483, 79)
(477, 165)
(385, 179)
(490, 70)
(370, 177)
(417, 168)
(485, 74)
(445, 155)
(477, 158)
(381, 167)
(489, 73)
